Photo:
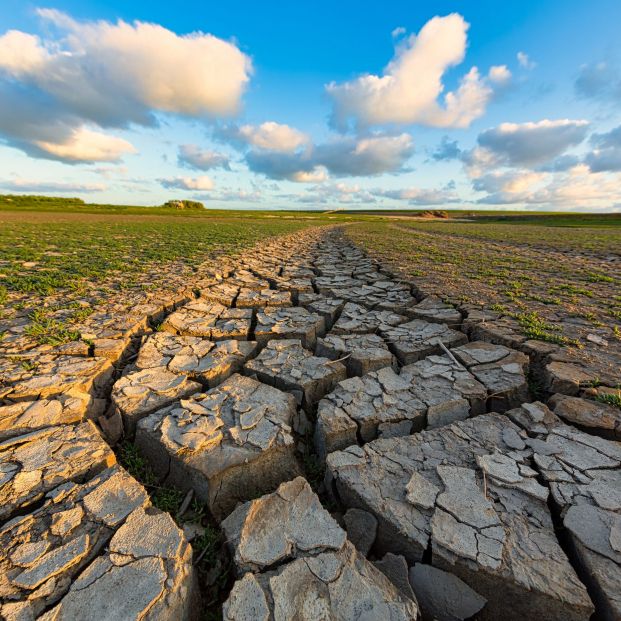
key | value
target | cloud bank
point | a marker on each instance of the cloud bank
(109, 75)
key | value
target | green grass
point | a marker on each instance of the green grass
(44, 254)
(614, 400)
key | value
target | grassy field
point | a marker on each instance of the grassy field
(537, 267)
(42, 252)
(558, 285)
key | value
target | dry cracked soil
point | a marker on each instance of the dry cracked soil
(362, 449)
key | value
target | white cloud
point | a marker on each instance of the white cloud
(398, 32)
(201, 183)
(341, 157)
(29, 185)
(85, 145)
(336, 193)
(112, 75)
(515, 144)
(269, 136)
(192, 156)
(499, 74)
(525, 61)
(419, 196)
(412, 83)
(577, 187)
(372, 155)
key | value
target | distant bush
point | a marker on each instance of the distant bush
(184, 204)
(20, 199)
(434, 213)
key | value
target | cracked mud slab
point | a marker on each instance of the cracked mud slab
(429, 393)
(418, 339)
(495, 532)
(592, 416)
(200, 359)
(145, 574)
(289, 323)
(33, 464)
(433, 309)
(362, 353)
(381, 295)
(55, 375)
(43, 551)
(500, 369)
(584, 476)
(286, 365)
(23, 417)
(139, 393)
(209, 320)
(294, 562)
(356, 319)
(253, 298)
(227, 444)
(328, 308)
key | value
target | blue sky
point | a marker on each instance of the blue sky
(331, 105)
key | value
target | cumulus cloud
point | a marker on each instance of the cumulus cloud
(410, 88)
(336, 193)
(85, 145)
(499, 74)
(606, 154)
(419, 196)
(269, 136)
(341, 157)
(192, 156)
(577, 187)
(515, 144)
(29, 185)
(106, 75)
(599, 81)
(201, 183)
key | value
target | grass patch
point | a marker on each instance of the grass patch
(610, 399)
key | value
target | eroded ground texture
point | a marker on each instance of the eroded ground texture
(368, 452)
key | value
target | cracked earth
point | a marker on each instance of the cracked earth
(446, 491)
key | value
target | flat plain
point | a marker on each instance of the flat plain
(417, 405)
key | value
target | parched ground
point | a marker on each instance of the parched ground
(383, 420)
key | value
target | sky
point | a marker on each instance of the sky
(290, 105)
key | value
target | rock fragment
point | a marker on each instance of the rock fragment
(443, 596)
(295, 562)
(361, 529)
